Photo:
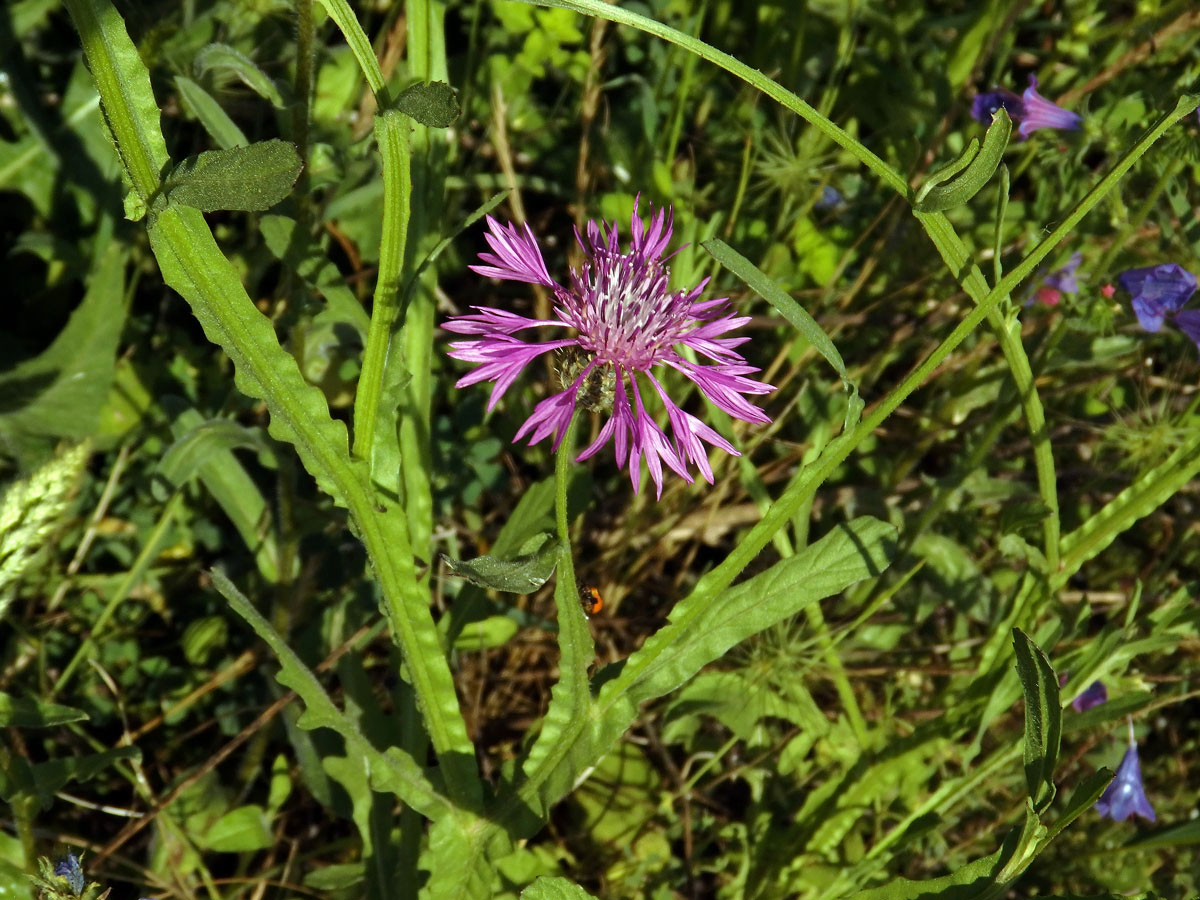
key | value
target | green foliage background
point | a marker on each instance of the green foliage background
(829, 746)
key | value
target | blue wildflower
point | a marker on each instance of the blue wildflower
(71, 870)
(1029, 112)
(1125, 796)
(1060, 281)
(1159, 293)
(1095, 694)
(830, 199)
(985, 104)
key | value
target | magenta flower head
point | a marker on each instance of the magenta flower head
(1125, 796)
(1029, 112)
(1095, 694)
(623, 323)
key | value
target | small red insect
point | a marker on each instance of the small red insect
(590, 600)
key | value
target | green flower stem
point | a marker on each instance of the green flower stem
(300, 105)
(563, 458)
(193, 265)
(392, 130)
(426, 45)
(1008, 333)
(570, 700)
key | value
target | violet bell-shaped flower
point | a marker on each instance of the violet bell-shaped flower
(1159, 293)
(1095, 694)
(624, 323)
(1125, 796)
(1029, 112)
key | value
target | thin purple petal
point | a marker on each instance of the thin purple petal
(1188, 321)
(1149, 313)
(550, 416)
(501, 360)
(516, 255)
(984, 106)
(1126, 796)
(492, 321)
(1041, 113)
(1095, 694)
(1166, 287)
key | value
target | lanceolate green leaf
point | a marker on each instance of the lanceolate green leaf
(60, 392)
(218, 57)
(1043, 718)
(29, 712)
(1140, 499)
(220, 127)
(360, 45)
(700, 629)
(1082, 799)
(125, 92)
(796, 314)
(977, 173)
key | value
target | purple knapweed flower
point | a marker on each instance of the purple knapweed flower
(1060, 281)
(70, 869)
(1029, 112)
(626, 322)
(1159, 293)
(1095, 694)
(1125, 796)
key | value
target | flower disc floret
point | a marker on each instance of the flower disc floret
(623, 322)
